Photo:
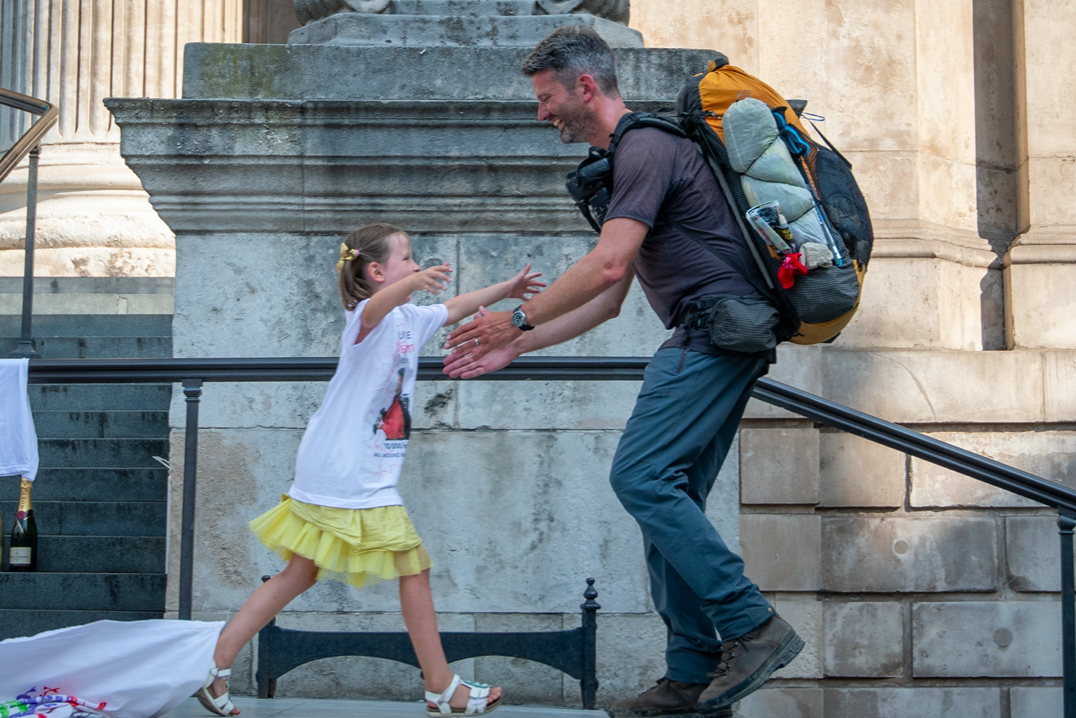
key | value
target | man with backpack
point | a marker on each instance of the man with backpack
(665, 203)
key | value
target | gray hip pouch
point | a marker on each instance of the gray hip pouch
(739, 324)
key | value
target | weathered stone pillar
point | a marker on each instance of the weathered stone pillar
(1039, 269)
(93, 218)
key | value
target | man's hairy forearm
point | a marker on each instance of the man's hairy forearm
(579, 321)
(578, 286)
(602, 269)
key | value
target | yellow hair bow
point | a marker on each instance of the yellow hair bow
(346, 255)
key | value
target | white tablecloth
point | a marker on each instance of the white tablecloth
(122, 669)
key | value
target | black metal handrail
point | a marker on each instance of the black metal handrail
(30, 139)
(192, 373)
(29, 144)
(823, 411)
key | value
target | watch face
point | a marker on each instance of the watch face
(519, 319)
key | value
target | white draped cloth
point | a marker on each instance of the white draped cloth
(18, 439)
(106, 669)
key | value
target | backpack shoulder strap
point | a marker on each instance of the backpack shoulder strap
(591, 183)
(634, 120)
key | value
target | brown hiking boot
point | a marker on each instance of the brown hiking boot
(747, 662)
(667, 698)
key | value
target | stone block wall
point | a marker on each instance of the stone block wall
(918, 590)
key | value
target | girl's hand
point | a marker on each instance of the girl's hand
(431, 279)
(522, 286)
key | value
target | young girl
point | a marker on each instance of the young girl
(342, 517)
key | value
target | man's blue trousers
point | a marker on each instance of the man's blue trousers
(684, 423)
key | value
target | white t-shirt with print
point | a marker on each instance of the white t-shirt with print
(353, 449)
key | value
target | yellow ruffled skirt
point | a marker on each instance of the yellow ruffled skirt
(359, 547)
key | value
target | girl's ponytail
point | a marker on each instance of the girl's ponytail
(363, 246)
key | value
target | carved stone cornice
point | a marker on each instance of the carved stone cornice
(312, 167)
(309, 11)
(917, 239)
(448, 141)
(457, 23)
(615, 10)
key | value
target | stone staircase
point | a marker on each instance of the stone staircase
(100, 498)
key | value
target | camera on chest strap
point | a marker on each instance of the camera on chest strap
(591, 186)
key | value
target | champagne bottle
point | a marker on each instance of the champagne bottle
(23, 554)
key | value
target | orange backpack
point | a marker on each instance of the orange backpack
(820, 301)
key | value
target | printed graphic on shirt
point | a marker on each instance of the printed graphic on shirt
(392, 429)
(395, 421)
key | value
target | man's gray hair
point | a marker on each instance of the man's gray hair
(575, 50)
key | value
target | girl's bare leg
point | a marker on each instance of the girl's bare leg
(263, 605)
(416, 600)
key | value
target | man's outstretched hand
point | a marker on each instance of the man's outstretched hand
(465, 366)
(481, 345)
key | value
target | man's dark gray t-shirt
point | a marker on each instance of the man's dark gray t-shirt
(660, 179)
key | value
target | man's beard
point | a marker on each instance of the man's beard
(577, 126)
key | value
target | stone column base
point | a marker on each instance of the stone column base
(1040, 294)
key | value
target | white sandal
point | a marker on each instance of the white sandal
(476, 704)
(220, 705)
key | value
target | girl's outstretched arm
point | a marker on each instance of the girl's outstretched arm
(521, 286)
(431, 279)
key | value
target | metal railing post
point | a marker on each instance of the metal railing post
(589, 681)
(263, 676)
(192, 389)
(25, 349)
(1066, 522)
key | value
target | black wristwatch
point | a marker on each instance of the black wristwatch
(519, 319)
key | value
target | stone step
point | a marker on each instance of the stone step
(90, 325)
(99, 554)
(100, 424)
(91, 285)
(101, 453)
(100, 498)
(16, 623)
(94, 518)
(82, 591)
(89, 295)
(100, 397)
(93, 347)
(97, 304)
(130, 485)
(463, 8)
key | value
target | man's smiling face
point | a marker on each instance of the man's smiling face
(561, 106)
